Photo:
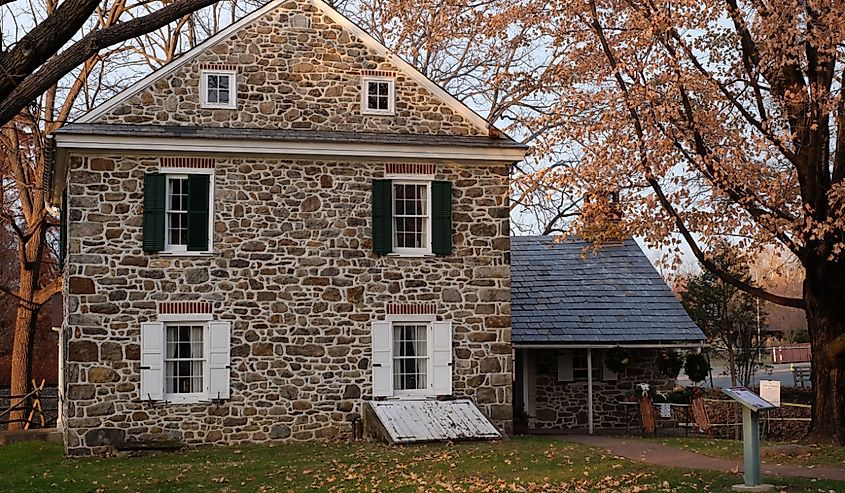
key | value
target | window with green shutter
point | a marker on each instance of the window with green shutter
(412, 217)
(155, 192)
(382, 217)
(177, 212)
(198, 195)
(441, 217)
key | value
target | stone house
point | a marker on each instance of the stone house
(278, 226)
(571, 305)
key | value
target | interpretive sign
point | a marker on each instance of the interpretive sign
(748, 398)
(752, 404)
(770, 391)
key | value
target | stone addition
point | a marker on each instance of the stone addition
(301, 78)
(563, 405)
(293, 270)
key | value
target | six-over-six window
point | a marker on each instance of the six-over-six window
(184, 360)
(178, 212)
(410, 356)
(411, 217)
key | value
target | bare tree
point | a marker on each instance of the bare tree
(59, 86)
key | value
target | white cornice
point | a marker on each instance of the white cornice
(367, 151)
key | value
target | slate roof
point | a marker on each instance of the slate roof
(284, 135)
(564, 294)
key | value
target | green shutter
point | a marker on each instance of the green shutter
(155, 192)
(63, 230)
(441, 217)
(198, 212)
(382, 217)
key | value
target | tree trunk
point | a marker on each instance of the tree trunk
(824, 294)
(25, 323)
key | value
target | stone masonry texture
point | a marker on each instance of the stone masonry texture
(563, 405)
(292, 78)
(293, 269)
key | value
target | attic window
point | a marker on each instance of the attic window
(378, 95)
(218, 89)
(300, 21)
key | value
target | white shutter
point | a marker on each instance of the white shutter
(607, 374)
(564, 366)
(382, 359)
(219, 342)
(441, 357)
(152, 361)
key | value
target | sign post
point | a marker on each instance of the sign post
(752, 404)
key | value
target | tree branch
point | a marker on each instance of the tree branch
(655, 185)
(57, 67)
(42, 42)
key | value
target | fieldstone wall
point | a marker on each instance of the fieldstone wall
(292, 78)
(293, 269)
(562, 405)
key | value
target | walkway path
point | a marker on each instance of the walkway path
(664, 455)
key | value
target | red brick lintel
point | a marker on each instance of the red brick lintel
(409, 309)
(218, 66)
(184, 307)
(410, 169)
(378, 73)
(187, 162)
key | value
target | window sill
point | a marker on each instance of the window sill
(215, 107)
(187, 399)
(411, 396)
(411, 255)
(185, 254)
(378, 113)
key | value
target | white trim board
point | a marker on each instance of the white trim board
(456, 105)
(270, 147)
(656, 345)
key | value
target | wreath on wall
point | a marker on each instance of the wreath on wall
(669, 363)
(617, 360)
(696, 367)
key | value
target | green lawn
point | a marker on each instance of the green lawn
(774, 452)
(521, 465)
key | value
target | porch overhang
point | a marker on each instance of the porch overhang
(611, 345)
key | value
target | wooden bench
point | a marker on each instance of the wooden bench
(801, 376)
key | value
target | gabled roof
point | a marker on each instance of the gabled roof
(566, 293)
(457, 106)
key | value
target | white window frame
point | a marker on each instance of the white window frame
(598, 364)
(428, 321)
(233, 89)
(182, 250)
(168, 246)
(391, 95)
(193, 397)
(404, 251)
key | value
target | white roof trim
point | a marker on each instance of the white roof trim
(457, 106)
(591, 345)
(287, 148)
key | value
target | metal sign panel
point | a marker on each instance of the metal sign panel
(748, 398)
(770, 391)
(410, 421)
